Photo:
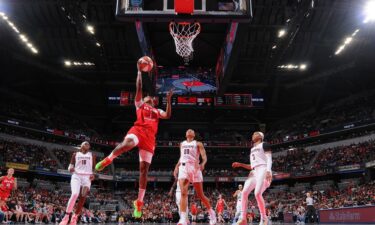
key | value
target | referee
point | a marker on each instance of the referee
(311, 214)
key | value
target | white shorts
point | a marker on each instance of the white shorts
(144, 156)
(238, 206)
(79, 181)
(190, 172)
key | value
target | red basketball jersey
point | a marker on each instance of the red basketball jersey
(220, 204)
(7, 184)
(148, 118)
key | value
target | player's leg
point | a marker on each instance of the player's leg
(145, 158)
(82, 199)
(130, 141)
(247, 188)
(75, 185)
(178, 200)
(184, 186)
(260, 176)
(198, 186)
(238, 212)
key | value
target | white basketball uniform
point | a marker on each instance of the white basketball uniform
(258, 162)
(189, 162)
(239, 205)
(256, 179)
(82, 171)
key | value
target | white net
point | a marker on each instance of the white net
(184, 35)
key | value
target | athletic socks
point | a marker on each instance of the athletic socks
(141, 194)
(111, 156)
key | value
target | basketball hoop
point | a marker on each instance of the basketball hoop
(184, 34)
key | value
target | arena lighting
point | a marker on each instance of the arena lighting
(369, 11)
(302, 66)
(23, 37)
(98, 44)
(90, 29)
(69, 63)
(348, 40)
(282, 32)
(355, 32)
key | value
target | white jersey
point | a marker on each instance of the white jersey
(239, 196)
(83, 164)
(189, 152)
(257, 155)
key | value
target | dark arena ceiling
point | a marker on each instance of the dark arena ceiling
(282, 33)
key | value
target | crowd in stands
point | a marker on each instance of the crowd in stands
(294, 160)
(36, 205)
(346, 155)
(352, 110)
(35, 157)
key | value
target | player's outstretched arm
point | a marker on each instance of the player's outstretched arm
(138, 85)
(72, 163)
(173, 187)
(175, 171)
(268, 153)
(241, 165)
(15, 184)
(168, 112)
(92, 176)
(203, 155)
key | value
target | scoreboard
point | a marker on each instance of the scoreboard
(126, 98)
(234, 100)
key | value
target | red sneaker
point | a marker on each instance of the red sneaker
(103, 164)
(137, 209)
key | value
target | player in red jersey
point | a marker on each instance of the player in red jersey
(194, 211)
(8, 183)
(143, 135)
(220, 209)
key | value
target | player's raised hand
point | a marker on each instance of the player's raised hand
(170, 93)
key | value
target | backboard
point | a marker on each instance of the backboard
(209, 11)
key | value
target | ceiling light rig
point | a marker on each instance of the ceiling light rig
(281, 33)
(22, 37)
(369, 11)
(70, 63)
(291, 67)
(346, 42)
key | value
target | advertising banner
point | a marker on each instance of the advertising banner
(348, 215)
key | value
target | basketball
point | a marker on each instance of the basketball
(145, 64)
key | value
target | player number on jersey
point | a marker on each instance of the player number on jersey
(83, 162)
(252, 155)
(186, 151)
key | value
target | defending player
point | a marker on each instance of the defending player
(238, 195)
(143, 135)
(8, 183)
(82, 166)
(261, 164)
(190, 171)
